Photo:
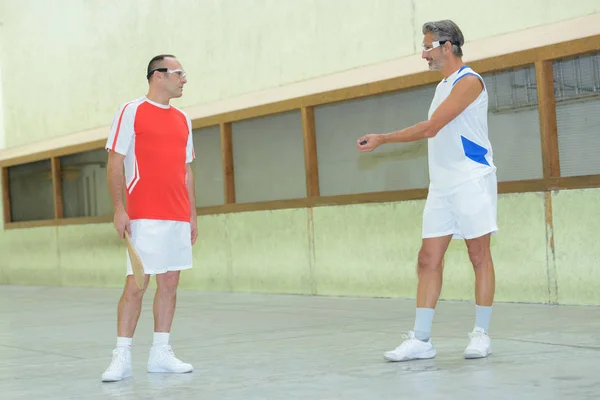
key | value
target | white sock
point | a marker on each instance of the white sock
(161, 338)
(423, 323)
(483, 315)
(124, 341)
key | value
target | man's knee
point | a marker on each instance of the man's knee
(429, 261)
(431, 255)
(479, 252)
(132, 292)
(168, 282)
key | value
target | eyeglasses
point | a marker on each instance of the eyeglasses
(179, 72)
(435, 44)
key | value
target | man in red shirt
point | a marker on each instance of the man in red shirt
(152, 141)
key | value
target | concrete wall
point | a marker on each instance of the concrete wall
(68, 64)
(2, 106)
(230, 48)
(359, 250)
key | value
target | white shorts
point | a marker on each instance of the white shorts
(467, 212)
(162, 245)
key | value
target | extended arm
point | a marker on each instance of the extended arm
(464, 93)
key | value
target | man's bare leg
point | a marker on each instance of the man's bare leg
(430, 267)
(165, 300)
(128, 313)
(130, 307)
(480, 254)
(485, 280)
(430, 272)
(161, 357)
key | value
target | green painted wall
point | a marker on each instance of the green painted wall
(358, 250)
(67, 67)
(576, 217)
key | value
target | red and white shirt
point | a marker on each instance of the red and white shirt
(156, 140)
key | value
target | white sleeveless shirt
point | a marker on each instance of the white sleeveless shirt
(461, 150)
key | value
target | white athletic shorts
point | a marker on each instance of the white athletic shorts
(466, 212)
(162, 245)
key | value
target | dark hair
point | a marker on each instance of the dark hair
(153, 64)
(446, 30)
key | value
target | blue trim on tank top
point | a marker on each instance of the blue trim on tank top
(467, 74)
(458, 72)
(474, 151)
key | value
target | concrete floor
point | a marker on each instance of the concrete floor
(56, 342)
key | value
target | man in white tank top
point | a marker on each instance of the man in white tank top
(462, 197)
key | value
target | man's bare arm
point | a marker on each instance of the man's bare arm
(116, 179)
(463, 94)
(189, 182)
(116, 182)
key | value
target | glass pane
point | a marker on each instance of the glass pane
(396, 166)
(517, 145)
(30, 189)
(207, 167)
(577, 77)
(579, 137)
(577, 91)
(513, 123)
(512, 90)
(85, 184)
(268, 158)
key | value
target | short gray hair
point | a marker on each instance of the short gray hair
(446, 30)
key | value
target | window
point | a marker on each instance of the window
(396, 166)
(513, 123)
(85, 191)
(268, 158)
(207, 167)
(577, 92)
(30, 191)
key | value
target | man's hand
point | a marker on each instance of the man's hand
(122, 223)
(369, 142)
(194, 226)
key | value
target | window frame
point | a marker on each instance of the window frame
(541, 57)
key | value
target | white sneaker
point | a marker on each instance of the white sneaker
(411, 349)
(479, 345)
(120, 367)
(162, 359)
